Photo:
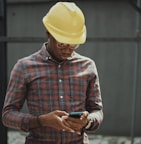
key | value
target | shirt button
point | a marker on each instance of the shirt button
(60, 80)
(61, 97)
(59, 66)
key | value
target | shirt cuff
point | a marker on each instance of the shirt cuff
(25, 123)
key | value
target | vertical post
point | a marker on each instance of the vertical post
(134, 99)
(3, 70)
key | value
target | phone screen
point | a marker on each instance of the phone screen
(75, 114)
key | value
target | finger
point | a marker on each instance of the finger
(75, 120)
(66, 126)
(77, 124)
(78, 132)
(76, 129)
(85, 115)
(64, 120)
(68, 129)
(74, 126)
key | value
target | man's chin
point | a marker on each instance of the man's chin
(64, 57)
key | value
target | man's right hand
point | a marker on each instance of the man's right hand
(54, 119)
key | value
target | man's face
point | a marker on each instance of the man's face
(60, 51)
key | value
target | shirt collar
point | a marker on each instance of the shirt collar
(47, 56)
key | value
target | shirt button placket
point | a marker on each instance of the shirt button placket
(60, 85)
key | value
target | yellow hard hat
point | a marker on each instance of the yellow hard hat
(66, 23)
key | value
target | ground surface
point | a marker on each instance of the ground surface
(16, 137)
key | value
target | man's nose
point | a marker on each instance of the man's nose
(67, 50)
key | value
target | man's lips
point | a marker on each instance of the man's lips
(66, 56)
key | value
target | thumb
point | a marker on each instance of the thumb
(85, 115)
(61, 113)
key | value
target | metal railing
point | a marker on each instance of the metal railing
(89, 39)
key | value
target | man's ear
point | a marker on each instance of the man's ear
(47, 34)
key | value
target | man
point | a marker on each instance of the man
(54, 82)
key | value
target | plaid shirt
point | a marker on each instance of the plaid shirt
(46, 86)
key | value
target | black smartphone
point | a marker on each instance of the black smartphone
(75, 114)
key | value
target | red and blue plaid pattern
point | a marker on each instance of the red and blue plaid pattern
(47, 86)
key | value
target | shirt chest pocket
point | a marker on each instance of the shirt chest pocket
(78, 86)
(41, 86)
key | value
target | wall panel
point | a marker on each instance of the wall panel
(115, 60)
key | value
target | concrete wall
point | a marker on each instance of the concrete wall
(116, 54)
